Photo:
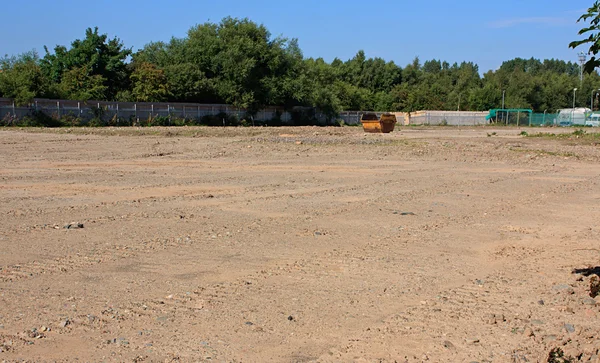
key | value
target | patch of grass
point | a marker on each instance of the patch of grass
(558, 356)
(313, 141)
(577, 134)
(524, 133)
(546, 152)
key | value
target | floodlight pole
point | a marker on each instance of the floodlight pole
(544, 121)
(503, 92)
(582, 58)
(573, 109)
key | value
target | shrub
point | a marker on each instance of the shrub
(220, 119)
(119, 121)
(40, 119)
(160, 121)
(98, 119)
(10, 120)
(71, 120)
(97, 122)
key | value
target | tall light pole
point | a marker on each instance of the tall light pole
(573, 109)
(503, 92)
(582, 58)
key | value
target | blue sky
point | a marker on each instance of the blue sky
(483, 31)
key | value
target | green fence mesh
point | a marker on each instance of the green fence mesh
(543, 119)
(527, 119)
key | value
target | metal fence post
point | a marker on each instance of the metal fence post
(58, 108)
(544, 120)
(14, 110)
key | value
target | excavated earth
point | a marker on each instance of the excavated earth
(298, 245)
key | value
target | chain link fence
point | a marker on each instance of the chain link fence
(529, 119)
(543, 119)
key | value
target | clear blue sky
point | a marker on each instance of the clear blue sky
(483, 31)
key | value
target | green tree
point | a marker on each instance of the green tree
(95, 57)
(80, 84)
(593, 39)
(237, 61)
(21, 78)
(149, 83)
(243, 61)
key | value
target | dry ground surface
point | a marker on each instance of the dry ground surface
(297, 245)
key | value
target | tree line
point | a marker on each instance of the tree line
(238, 62)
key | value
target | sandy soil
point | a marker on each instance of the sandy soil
(297, 245)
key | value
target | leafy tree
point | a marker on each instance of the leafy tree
(185, 69)
(325, 100)
(485, 98)
(95, 57)
(149, 83)
(290, 86)
(236, 61)
(21, 78)
(239, 62)
(80, 84)
(593, 39)
(243, 61)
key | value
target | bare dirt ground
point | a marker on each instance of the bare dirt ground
(297, 245)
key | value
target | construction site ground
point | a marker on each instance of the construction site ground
(303, 244)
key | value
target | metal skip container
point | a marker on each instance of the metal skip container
(372, 123)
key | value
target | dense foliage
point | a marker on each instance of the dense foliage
(238, 62)
(592, 17)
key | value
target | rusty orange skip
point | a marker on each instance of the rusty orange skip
(383, 124)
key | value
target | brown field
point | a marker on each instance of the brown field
(297, 245)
